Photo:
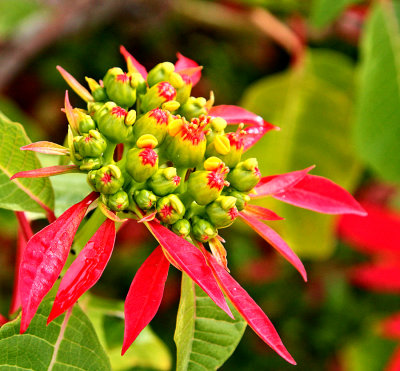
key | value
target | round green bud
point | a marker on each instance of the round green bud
(107, 180)
(118, 87)
(141, 163)
(241, 198)
(93, 107)
(157, 95)
(154, 122)
(164, 181)
(183, 93)
(245, 176)
(203, 230)
(98, 92)
(118, 201)
(145, 199)
(92, 144)
(181, 227)
(90, 163)
(222, 212)
(193, 107)
(85, 122)
(138, 83)
(160, 73)
(170, 209)
(110, 119)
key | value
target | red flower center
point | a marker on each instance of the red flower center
(237, 139)
(166, 90)
(148, 156)
(257, 172)
(194, 131)
(106, 178)
(233, 213)
(166, 211)
(119, 112)
(216, 178)
(123, 77)
(159, 115)
(176, 180)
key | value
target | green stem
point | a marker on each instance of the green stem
(109, 153)
(181, 172)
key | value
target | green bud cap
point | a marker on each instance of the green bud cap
(92, 144)
(118, 201)
(107, 180)
(193, 107)
(154, 122)
(98, 92)
(203, 230)
(138, 83)
(206, 186)
(245, 176)
(170, 209)
(175, 79)
(181, 227)
(110, 119)
(241, 198)
(157, 95)
(186, 143)
(160, 73)
(164, 181)
(130, 117)
(85, 122)
(93, 107)
(141, 163)
(90, 163)
(145, 199)
(118, 87)
(183, 93)
(222, 212)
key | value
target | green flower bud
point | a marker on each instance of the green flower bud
(145, 199)
(170, 209)
(181, 227)
(111, 122)
(164, 181)
(215, 128)
(245, 176)
(160, 73)
(154, 122)
(92, 144)
(203, 230)
(107, 180)
(90, 163)
(183, 93)
(186, 143)
(195, 210)
(193, 107)
(118, 201)
(98, 92)
(85, 122)
(118, 87)
(222, 212)
(157, 95)
(138, 83)
(241, 198)
(205, 186)
(141, 163)
(93, 107)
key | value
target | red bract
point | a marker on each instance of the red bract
(45, 256)
(144, 296)
(261, 213)
(130, 59)
(86, 269)
(46, 171)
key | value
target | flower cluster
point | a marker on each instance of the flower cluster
(154, 153)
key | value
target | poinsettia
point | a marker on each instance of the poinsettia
(182, 205)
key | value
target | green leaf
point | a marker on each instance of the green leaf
(147, 351)
(325, 11)
(377, 129)
(313, 107)
(21, 194)
(205, 336)
(67, 343)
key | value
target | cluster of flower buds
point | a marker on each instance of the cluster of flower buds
(177, 163)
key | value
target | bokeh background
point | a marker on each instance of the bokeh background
(328, 73)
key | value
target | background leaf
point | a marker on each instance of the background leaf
(325, 11)
(205, 336)
(75, 348)
(147, 351)
(315, 129)
(377, 130)
(17, 195)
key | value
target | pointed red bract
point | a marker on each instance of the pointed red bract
(3, 320)
(262, 213)
(144, 296)
(275, 241)
(322, 195)
(381, 276)
(140, 68)
(46, 171)
(86, 269)
(236, 115)
(24, 235)
(71, 117)
(191, 261)
(269, 185)
(187, 64)
(377, 233)
(249, 309)
(75, 85)
(47, 148)
(394, 363)
(390, 327)
(44, 257)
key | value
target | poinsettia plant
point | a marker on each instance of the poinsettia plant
(156, 154)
